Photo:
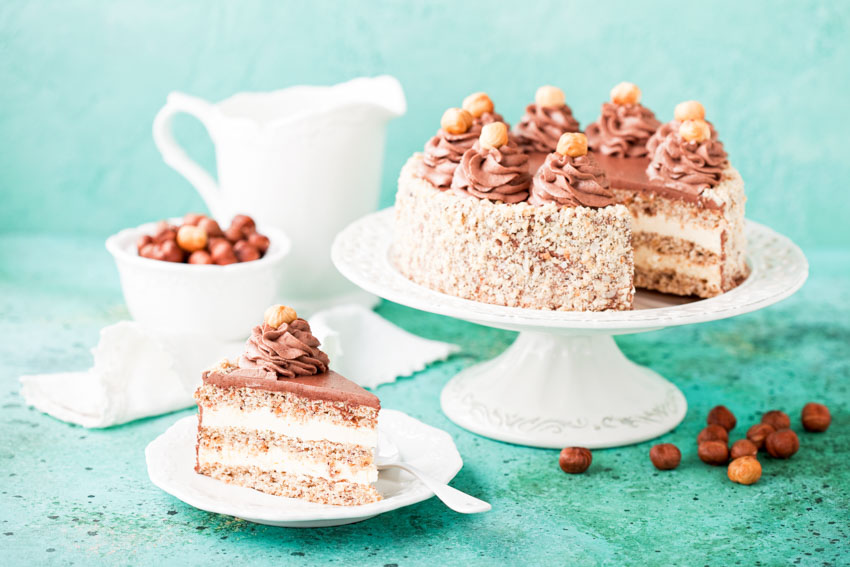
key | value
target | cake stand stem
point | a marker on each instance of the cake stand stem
(556, 391)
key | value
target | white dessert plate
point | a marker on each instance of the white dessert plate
(575, 387)
(171, 467)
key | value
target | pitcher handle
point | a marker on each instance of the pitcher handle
(176, 156)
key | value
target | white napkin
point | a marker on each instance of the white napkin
(367, 349)
(139, 373)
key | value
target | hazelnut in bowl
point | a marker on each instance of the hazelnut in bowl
(190, 276)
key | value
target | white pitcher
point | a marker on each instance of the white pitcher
(304, 159)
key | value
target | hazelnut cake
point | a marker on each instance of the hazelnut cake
(278, 420)
(531, 218)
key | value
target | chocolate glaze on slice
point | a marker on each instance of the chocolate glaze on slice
(329, 386)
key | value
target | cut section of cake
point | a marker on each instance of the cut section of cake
(686, 200)
(278, 420)
(568, 250)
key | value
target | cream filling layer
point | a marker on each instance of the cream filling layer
(648, 259)
(316, 429)
(279, 460)
(675, 227)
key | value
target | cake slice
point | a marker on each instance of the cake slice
(279, 421)
(686, 200)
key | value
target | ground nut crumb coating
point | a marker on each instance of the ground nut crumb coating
(287, 405)
(254, 441)
(313, 489)
(517, 255)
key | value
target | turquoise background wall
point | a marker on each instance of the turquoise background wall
(80, 82)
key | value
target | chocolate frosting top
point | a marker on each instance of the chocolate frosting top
(541, 127)
(690, 167)
(665, 130)
(499, 174)
(622, 130)
(572, 182)
(328, 386)
(289, 351)
(443, 153)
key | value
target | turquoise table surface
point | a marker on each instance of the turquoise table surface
(71, 496)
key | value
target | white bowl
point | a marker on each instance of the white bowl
(222, 302)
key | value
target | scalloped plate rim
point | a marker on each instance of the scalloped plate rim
(317, 514)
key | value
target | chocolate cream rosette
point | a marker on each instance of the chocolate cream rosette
(688, 159)
(570, 177)
(624, 125)
(687, 110)
(494, 168)
(545, 121)
(444, 151)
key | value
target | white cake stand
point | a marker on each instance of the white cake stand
(564, 381)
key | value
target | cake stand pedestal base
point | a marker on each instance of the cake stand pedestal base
(555, 391)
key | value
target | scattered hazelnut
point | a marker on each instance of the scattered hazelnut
(573, 144)
(720, 415)
(758, 433)
(143, 241)
(222, 253)
(477, 104)
(665, 456)
(193, 218)
(574, 460)
(171, 252)
(277, 315)
(549, 97)
(625, 93)
(777, 419)
(200, 257)
(782, 444)
(744, 470)
(695, 130)
(246, 252)
(191, 238)
(260, 241)
(493, 135)
(211, 226)
(689, 110)
(714, 453)
(456, 121)
(713, 433)
(743, 448)
(815, 417)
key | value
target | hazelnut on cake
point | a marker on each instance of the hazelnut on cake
(278, 420)
(567, 248)
(480, 106)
